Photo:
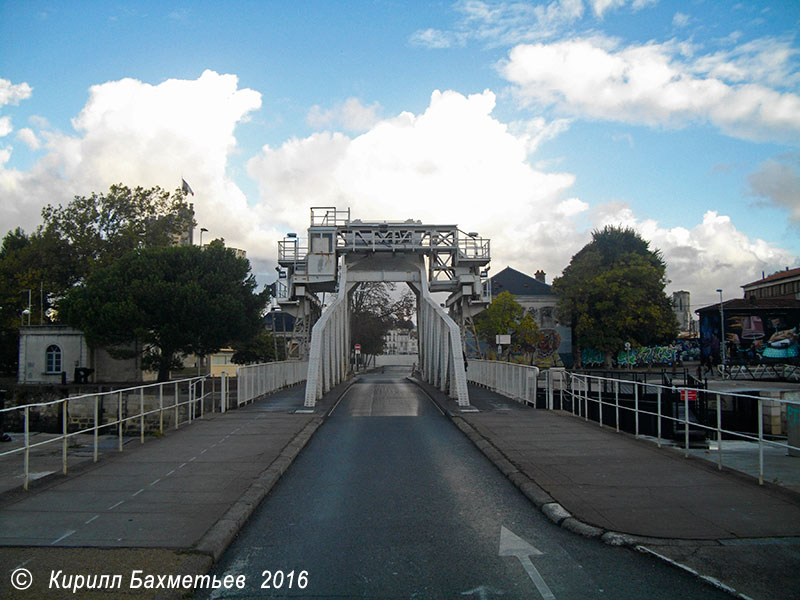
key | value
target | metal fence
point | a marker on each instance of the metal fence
(254, 381)
(132, 411)
(679, 415)
(510, 379)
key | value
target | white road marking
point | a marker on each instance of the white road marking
(115, 505)
(170, 473)
(63, 537)
(513, 545)
(134, 494)
(90, 520)
(20, 565)
(155, 482)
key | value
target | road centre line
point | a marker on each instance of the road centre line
(155, 482)
(90, 520)
(115, 505)
(63, 537)
(134, 494)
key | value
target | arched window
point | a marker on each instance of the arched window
(53, 359)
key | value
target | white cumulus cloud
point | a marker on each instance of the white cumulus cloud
(140, 134)
(652, 84)
(350, 115)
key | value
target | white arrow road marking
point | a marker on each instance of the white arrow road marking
(513, 545)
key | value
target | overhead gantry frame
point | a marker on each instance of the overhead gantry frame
(341, 253)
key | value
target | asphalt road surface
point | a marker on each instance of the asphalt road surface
(390, 500)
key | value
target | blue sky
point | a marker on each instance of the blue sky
(531, 122)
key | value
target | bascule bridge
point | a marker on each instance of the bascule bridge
(341, 253)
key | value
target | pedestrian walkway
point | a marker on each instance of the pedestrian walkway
(720, 523)
(171, 505)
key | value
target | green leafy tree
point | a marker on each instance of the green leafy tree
(167, 302)
(505, 316)
(88, 233)
(612, 292)
(101, 228)
(260, 348)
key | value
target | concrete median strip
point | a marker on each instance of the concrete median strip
(217, 539)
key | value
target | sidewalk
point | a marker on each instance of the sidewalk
(600, 483)
(170, 506)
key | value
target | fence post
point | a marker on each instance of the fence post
(223, 392)
(760, 443)
(141, 415)
(119, 416)
(161, 409)
(177, 397)
(96, 425)
(27, 445)
(686, 423)
(636, 405)
(202, 397)
(64, 438)
(719, 432)
(659, 417)
(616, 404)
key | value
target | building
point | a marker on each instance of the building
(681, 306)
(755, 330)
(400, 341)
(55, 354)
(539, 300)
(781, 285)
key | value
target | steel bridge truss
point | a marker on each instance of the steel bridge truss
(340, 253)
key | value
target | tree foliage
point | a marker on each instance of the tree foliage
(374, 311)
(88, 233)
(101, 228)
(168, 302)
(612, 292)
(505, 316)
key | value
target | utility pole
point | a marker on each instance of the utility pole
(722, 331)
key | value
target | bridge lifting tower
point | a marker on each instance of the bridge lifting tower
(341, 253)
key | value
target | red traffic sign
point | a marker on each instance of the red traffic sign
(358, 348)
(690, 395)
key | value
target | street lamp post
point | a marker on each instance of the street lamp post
(722, 331)
(202, 229)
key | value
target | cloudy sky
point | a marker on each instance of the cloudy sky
(533, 123)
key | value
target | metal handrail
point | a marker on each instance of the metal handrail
(257, 380)
(191, 390)
(581, 394)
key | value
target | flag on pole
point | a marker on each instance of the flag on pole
(185, 187)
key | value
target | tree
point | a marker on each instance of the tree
(167, 302)
(505, 316)
(101, 228)
(373, 312)
(612, 292)
(74, 240)
(261, 347)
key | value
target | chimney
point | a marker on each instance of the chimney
(539, 276)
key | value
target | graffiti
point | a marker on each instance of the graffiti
(646, 356)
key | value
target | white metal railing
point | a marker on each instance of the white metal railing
(607, 401)
(440, 350)
(330, 343)
(136, 409)
(256, 380)
(509, 379)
